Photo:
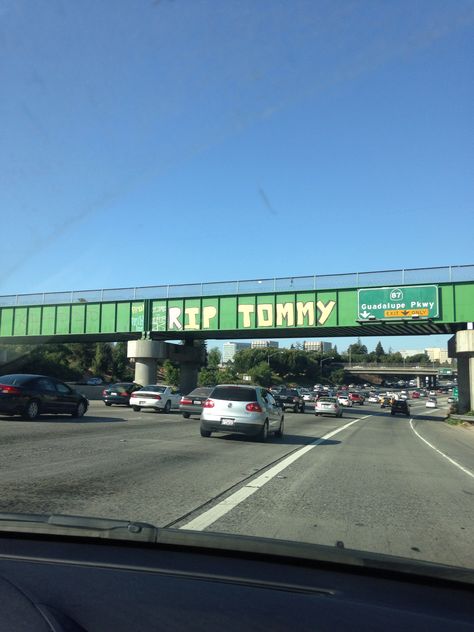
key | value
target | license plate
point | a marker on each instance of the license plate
(113, 393)
(227, 422)
(197, 401)
(141, 402)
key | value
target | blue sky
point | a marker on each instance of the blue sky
(175, 141)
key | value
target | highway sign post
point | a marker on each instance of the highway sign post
(398, 302)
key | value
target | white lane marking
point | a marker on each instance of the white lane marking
(211, 515)
(465, 470)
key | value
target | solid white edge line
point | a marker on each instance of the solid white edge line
(465, 470)
(218, 511)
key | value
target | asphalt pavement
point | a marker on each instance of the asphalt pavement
(368, 481)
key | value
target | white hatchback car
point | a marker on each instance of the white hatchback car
(242, 409)
(158, 397)
(345, 400)
(431, 402)
(328, 406)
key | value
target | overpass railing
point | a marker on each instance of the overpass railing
(405, 276)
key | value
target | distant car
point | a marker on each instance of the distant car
(94, 381)
(328, 406)
(191, 404)
(344, 400)
(400, 406)
(415, 395)
(432, 393)
(431, 402)
(158, 397)
(247, 410)
(309, 397)
(403, 396)
(31, 395)
(451, 400)
(373, 398)
(356, 398)
(385, 402)
(119, 393)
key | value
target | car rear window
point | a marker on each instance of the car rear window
(234, 393)
(153, 388)
(330, 400)
(200, 392)
(15, 379)
(289, 391)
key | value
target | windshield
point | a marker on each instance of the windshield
(199, 200)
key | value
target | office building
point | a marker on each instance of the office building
(317, 345)
(264, 344)
(229, 349)
(435, 354)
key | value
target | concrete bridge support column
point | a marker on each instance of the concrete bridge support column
(146, 354)
(461, 347)
(419, 382)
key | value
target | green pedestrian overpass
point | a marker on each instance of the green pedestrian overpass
(386, 303)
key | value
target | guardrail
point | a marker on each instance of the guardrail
(409, 276)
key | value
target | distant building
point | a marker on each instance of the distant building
(317, 345)
(229, 349)
(264, 344)
(435, 354)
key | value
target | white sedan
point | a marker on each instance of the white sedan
(328, 406)
(431, 402)
(158, 397)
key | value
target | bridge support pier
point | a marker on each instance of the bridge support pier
(190, 356)
(461, 347)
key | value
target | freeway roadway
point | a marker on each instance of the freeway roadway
(367, 481)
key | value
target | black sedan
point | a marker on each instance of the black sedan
(32, 395)
(119, 393)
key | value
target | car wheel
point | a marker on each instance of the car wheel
(205, 433)
(108, 403)
(186, 415)
(302, 409)
(167, 407)
(316, 414)
(263, 434)
(340, 414)
(281, 429)
(80, 410)
(137, 409)
(32, 410)
(295, 409)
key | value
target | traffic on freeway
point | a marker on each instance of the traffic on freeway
(169, 472)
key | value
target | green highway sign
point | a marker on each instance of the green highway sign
(398, 302)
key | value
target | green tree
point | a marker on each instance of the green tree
(214, 358)
(103, 359)
(261, 374)
(172, 373)
(379, 351)
(121, 367)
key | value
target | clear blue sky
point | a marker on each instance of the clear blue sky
(174, 141)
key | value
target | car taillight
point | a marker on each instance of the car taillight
(11, 390)
(253, 407)
(208, 404)
(186, 401)
(104, 392)
(295, 399)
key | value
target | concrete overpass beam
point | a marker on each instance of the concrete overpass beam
(461, 347)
